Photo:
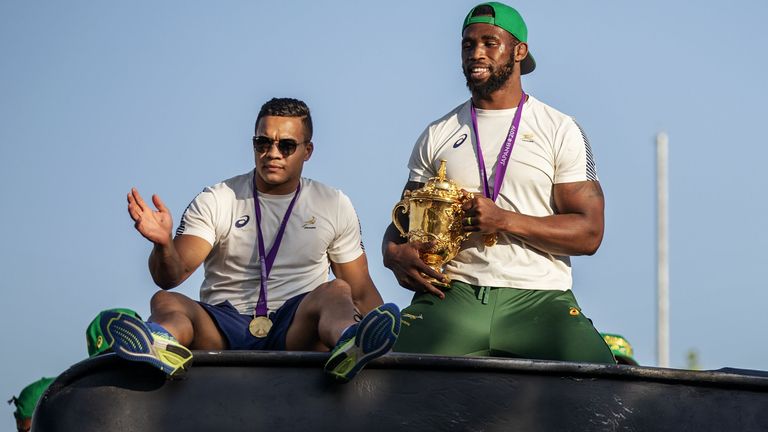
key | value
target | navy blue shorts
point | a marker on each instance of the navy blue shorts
(234, 326)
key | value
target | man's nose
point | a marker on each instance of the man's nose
(273, 152)
(476, 52)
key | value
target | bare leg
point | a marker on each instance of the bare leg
(186, 320)
(321, 318)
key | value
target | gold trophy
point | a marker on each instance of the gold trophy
(434, 220)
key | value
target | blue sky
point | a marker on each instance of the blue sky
(96, 97)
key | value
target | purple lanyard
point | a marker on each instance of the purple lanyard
(267, 259)
(503, 159)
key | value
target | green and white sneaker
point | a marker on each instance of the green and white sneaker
(135, 340)
(372, 337)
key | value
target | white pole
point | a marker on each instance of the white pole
(662, 335)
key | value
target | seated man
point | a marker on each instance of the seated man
(27, 401)
(267, 239)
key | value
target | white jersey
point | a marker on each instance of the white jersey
(550, 148)
(323, 225)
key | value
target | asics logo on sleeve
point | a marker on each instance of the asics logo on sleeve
(242, 221)
(460, 141)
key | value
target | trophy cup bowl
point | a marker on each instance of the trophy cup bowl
(434, 220)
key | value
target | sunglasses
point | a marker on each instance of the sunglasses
(286, 146)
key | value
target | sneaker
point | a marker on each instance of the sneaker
(372, 337)
(94, 337)
(132, 339)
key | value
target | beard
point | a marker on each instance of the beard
(496, 80)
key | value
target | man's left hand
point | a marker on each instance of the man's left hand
(483, 215)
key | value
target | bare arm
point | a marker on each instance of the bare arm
(403, 258)
(172, 261)
(172, 264)
(576, 228)
(355, 273)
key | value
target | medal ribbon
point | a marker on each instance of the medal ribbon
(267, 259)
(506, 150)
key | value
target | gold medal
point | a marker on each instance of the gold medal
(260, 326)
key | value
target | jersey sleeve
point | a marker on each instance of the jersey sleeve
(420, 164)
(199, 217)
(573, 158)
(348, 244)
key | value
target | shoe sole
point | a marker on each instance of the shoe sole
(376, 334)
(131, 339)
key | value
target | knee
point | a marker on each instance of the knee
(330, 291)
(336, 287)
(164, 301)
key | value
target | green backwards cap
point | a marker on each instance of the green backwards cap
(620, 348)
(27, 400)
(508, 19)
(95, 339)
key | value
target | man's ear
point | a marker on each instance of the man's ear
(521, 51)
(310, 148)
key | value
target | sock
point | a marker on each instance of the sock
(157, 328)
(352, 329)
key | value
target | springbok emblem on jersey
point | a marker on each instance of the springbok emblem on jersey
(310, 223)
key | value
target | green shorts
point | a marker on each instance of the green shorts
(501, 322)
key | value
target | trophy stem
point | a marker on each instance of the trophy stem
(437, 283)
(429, 259)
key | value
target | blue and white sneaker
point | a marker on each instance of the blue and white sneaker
(372, 337)
(132, 339)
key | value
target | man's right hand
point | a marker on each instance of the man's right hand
(155, 225)
(403, 259)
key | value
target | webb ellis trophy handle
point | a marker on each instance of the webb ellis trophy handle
(434, 220)
(395, 219)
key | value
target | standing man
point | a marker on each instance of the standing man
(267, 239)
(537, 202)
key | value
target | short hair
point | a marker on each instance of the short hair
(487, 10)
(287, 107)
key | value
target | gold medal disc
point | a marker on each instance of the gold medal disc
(260, 326)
